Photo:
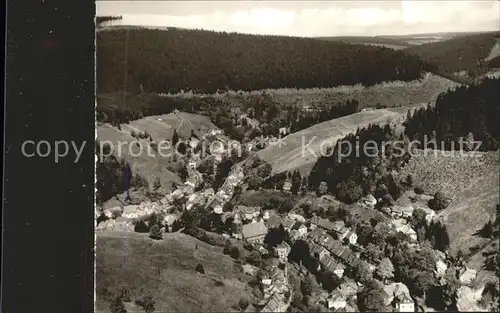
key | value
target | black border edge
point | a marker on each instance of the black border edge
(48, 208)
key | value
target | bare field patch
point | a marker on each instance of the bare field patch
(472, 184)
(165, 269)
(289, 156)
(390, 94)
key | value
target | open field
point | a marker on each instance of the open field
(147, 166)
(291, 155)
(165, 270)
(389, 94)
(150, 164)
(371, 41)
(396, 42)
(472, 184)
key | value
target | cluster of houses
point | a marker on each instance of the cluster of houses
(332, 254)
(398, 296)
(402, 226)
(339, 298)
(255, 227)
(275, 287)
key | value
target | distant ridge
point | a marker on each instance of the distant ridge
(170, 61)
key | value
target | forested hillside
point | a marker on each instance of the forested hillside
(474, 109)
(469, 112)
(172, 60)
(350, 175)
(463, 53)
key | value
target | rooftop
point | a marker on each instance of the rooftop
(323, 223)
(288, 223)
(254, 229)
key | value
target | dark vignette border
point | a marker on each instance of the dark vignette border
(48, 222)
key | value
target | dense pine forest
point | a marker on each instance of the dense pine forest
(351, 175)
(466, 53)
(172, 60)
(470, 112)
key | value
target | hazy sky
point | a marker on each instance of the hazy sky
(311, 18)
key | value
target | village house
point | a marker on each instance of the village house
(396, 211)
(218, 208)
(405, 304)
(193, 142)
(342, 233)
(248, 213)
(254, 232)
(266, 280)
(276, 303)
(318, 251)
(287, 186)
(339, 270)
(215, 132)
(352, 237)
(336, 301)
(334, 247)
(169, 220)
(398, 294)
(349, 288)
(288, 224)
(467, 275)
(407, 211)
(401, 225)
(369, 201)
(266, 215)
(283, 131)
(283, 249)
(274, 221)
(192, 164)
(297, 217)
(330, 264)
(298, 231)
(316, 221)
(441, 268)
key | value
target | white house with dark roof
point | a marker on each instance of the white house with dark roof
(283, 249)
(339, 270)
(298, 230)
(297, 217)
(287, 186)
(441, 268)
(288, 223)
(352, 237)
(369, 201)
(218, 209)
(405, 304)
(399, 294)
